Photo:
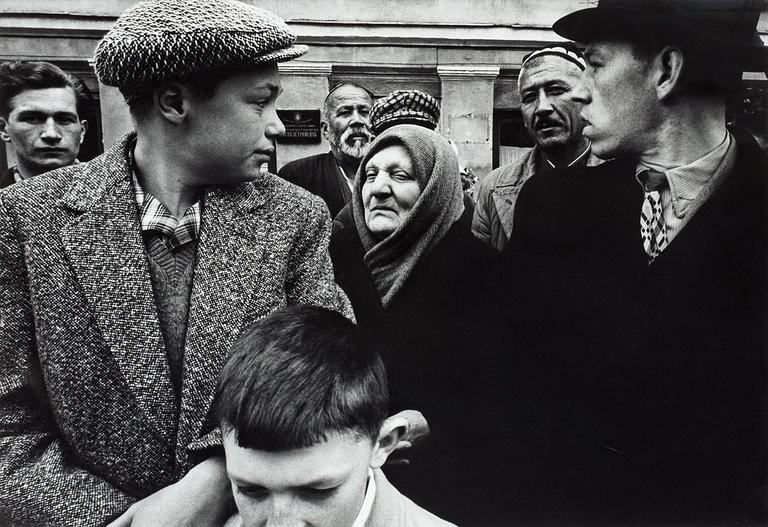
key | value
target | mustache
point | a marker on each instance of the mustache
(358, 131)
(544, 122)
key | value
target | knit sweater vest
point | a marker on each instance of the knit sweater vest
(172, 272)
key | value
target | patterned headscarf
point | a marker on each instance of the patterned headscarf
(391, 261)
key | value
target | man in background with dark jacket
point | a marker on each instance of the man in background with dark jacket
(347, 127)
(42, 117)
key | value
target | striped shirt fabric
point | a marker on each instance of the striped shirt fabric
(690, 185)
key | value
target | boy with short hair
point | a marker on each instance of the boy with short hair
(302, 404)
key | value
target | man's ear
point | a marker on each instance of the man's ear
(669, 66)
(392, 431)
(83, 129)
(324, 129)
(4, 135)
(172, 102)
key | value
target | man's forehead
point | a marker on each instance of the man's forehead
(48, 100)
(606, 47)
(329, 462)
(350, 95)
(548, 68)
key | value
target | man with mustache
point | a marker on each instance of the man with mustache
(547, 79)
(347, 127)
(643, 281)
(42, 112)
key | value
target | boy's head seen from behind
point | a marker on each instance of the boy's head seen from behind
(302, 403)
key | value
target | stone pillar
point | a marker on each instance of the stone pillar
(466, 115)
(115, 118)
(305, 85)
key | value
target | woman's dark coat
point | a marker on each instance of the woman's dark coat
(438, 343)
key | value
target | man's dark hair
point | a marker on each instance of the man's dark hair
(297, 376)
(18, 76)
(705, 72)
(202, 87)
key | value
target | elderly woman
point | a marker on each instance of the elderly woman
(421, 285)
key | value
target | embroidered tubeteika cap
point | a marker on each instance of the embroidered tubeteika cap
(565, 51)
(159, 41)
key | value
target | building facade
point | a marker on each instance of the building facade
(466, 53)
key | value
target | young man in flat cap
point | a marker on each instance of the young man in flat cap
(548, 78)
(648, 274)
(125, 280)
(347, 128)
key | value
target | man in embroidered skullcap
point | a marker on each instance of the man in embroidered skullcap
(645, 278)
(548, 78)
(126, 279)
(346, 125)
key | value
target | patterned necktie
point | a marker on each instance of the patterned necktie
(652, 227)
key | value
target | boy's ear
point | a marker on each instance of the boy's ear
(399, 431)
(392, 432)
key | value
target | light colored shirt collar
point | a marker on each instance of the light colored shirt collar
(687, 183)
(578, 158)
(370, 495)
(17, 177)
(350, 183)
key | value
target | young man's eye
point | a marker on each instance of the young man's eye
(318, 494)
(252, 492)
(31, 118)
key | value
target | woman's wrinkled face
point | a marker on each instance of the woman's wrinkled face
(390, 190)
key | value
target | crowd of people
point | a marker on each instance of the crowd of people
(186, 339)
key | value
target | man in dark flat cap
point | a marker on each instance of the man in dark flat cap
(645, 278)
(346, 126)
(126, 279)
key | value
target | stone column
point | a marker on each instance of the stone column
(115, 117)
(305, 85)
(466, 115)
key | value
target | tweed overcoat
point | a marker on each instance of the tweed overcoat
(88, 420)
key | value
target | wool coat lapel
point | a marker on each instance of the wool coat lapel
(104, 248)
(230, 259)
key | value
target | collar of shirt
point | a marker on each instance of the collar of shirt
(349, 183)
(694, 182)
(154, 216)
(17, 177)
(370, 494)
(581, 157)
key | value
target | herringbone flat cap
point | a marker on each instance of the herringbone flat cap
(159, 41)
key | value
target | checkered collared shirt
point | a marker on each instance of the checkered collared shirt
(154, 216)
